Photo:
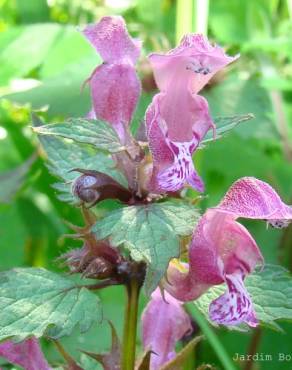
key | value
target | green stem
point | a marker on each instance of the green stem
(289, 6)
(130, 326)
(201, 13)
(184, 18)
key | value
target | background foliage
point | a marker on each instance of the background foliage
(44, 61)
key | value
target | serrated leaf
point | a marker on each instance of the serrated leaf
(237, 95)
(38, 302)
(88, 131)
(224, 125)
(64, 155)
(150, 232)
(271, 293)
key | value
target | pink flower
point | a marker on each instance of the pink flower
(164, 322)
(222, 250)
(178, 118)
(115, 87)
(26, 354)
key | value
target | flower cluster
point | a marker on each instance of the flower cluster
(114, 85)
(177, 120)
(221, 251)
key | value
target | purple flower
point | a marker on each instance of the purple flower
(222, 250)
(164, 322)
(115, 87)
(26, 354)
(178, 118)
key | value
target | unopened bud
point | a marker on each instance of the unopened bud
(82, 189)
(99, 268)
(94, 186)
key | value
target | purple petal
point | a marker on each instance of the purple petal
(252, 198)
(182, 283)
(164, 322)
(222, 250)
(219, 246)
(91, 114)
(182, 169)
(195, 61)
(115, 89)
(177, 116)
(234, 306)
(185, 116)
(111, 40)
(26, 354)
(172, 157)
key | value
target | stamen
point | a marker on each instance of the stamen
(279, 224)
(198, 68)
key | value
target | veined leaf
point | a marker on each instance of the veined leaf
(64, 155)
(224, 125)
(39, 302)
(271, 293)
(150, 232)
(88, 131)
(236, 95)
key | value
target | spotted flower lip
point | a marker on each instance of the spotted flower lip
(178, 119)
(255, 199)
(115, 87)
(223, 251)
(164, 322)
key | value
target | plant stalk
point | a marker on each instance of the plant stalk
(201, 14)
(130, 325)
(184, 18)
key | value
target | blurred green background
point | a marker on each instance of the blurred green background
(43, 62)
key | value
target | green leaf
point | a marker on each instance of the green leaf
(61, 92)
(69, 48)
(17, 60)
(88, 131)
(33, 12)
(150, 232)
(236, 96)
(64, 155)
(12, 181)
(225, 124)
(271, 293)
(39, 302)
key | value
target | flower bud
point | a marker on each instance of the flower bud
(99, 268)
(94, 186)
(82, 189)
(94, 262)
